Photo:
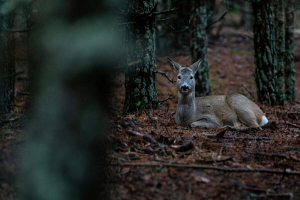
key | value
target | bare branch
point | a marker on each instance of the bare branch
(294, 125)
(151, 12)
(144, 136)
(208, 167)
(177, 31)
(164, 74)
(165, 12)
(18, 30)
(290, 157)
(163, 19)
(292, 11)
(247, 138)
(251, 93)
(168, 97)
(222, 16)
(184, 147)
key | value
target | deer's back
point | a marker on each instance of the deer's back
(227, 108)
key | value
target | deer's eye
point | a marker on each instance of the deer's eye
(179, 77)
(191, 77)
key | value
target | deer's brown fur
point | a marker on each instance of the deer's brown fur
(234, 110)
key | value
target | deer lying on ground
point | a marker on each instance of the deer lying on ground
(233, 110)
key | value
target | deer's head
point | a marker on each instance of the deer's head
(185, 77)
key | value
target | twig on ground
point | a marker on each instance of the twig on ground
(254, 189)
(217, 160)
(287, 196)
(165, 75)
(208, 167)
(294, 125)
(247, 138)
(144, 136)
(290, 157)
(184, 147)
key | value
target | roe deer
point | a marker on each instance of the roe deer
(233, 110)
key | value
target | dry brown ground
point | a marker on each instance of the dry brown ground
(276, 146)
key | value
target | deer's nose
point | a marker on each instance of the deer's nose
(184, 87)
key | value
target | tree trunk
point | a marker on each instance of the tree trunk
(289, 70)
(267, 72)
(21, 60)
(280, 38)
(198, 24)
(211, 4)
(140, 78)
(7, 57)
(65, 155)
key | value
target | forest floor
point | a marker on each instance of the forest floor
(156, 159)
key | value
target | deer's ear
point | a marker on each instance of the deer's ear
(195, 66)
(176, 66)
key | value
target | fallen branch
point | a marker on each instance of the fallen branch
(144, 136)
(247, 138)
(208, 167)
(288, 196)
(165, 75)
(254, 189)
(184, 147)
(294, 125)
(290, 157)
(216, 160)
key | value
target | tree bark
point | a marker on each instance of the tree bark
(280, 38)
(289, 70)
(267, 72)
(7, 60)
(140, 79)
(198, 24)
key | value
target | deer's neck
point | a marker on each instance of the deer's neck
(186, 109)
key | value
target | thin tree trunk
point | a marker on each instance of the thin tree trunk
(140, 79)
(198, 24)
(267, 71)
(289, 70)
(7, 57)
(211, 4)
(21, 60)
(280, 37)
